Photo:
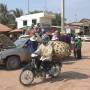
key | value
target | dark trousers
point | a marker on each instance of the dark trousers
(77, 53)
(46, 65)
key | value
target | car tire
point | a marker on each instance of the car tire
(13, 62)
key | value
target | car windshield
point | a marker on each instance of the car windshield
(21, 42)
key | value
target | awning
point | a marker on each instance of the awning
(16, 31)
(4, 28)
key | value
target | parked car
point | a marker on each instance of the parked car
(13, 54)
(85, 37)
(24, 36)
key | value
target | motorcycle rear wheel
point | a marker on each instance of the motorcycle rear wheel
(26, 77)
(56, 70)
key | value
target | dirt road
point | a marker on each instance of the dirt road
(75, 76)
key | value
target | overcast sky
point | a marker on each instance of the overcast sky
(74, 9)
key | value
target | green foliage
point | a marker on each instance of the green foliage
(8, 17)
(3, 14)
(17, 12)
(33, 12)
(57, 20)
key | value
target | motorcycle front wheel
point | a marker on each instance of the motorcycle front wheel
(26, 77)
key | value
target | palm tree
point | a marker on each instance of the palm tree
(14, 14)
(8, 17)
(17, 12)
(3, 14)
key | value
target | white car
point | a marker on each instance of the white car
(85, 37)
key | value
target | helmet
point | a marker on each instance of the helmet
(45, 39)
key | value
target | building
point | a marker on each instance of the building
(74, 27)
(44, 18)
(83, 27)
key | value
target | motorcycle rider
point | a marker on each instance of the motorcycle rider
(45, 50)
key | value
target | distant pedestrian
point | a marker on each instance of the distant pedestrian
(55, 36)
(78, 45)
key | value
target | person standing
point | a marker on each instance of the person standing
(55, 36)
(78, 45)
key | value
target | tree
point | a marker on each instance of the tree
(33, 12)
(3, 14)
(17, 12)
(14, 14)
(7, 17)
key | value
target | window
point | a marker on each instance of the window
(34, 21)
(25, 23)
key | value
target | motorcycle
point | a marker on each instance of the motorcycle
(35, 69)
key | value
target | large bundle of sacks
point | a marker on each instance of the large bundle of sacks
(60, 49)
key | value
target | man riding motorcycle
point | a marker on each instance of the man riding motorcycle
(41, 67)
(45, 50)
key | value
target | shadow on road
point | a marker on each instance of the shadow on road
(74, 75)
(2, 67)
(66, 76)
(86, 57)
(72, 60)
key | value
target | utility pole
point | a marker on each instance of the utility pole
(76, 17)
(62, 16)
(4, 1)
(28, 6)
(45, 5)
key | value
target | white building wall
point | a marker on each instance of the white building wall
(40, 17)
(19, 24)
(29, 22)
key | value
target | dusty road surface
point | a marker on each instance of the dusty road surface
(75, 76)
